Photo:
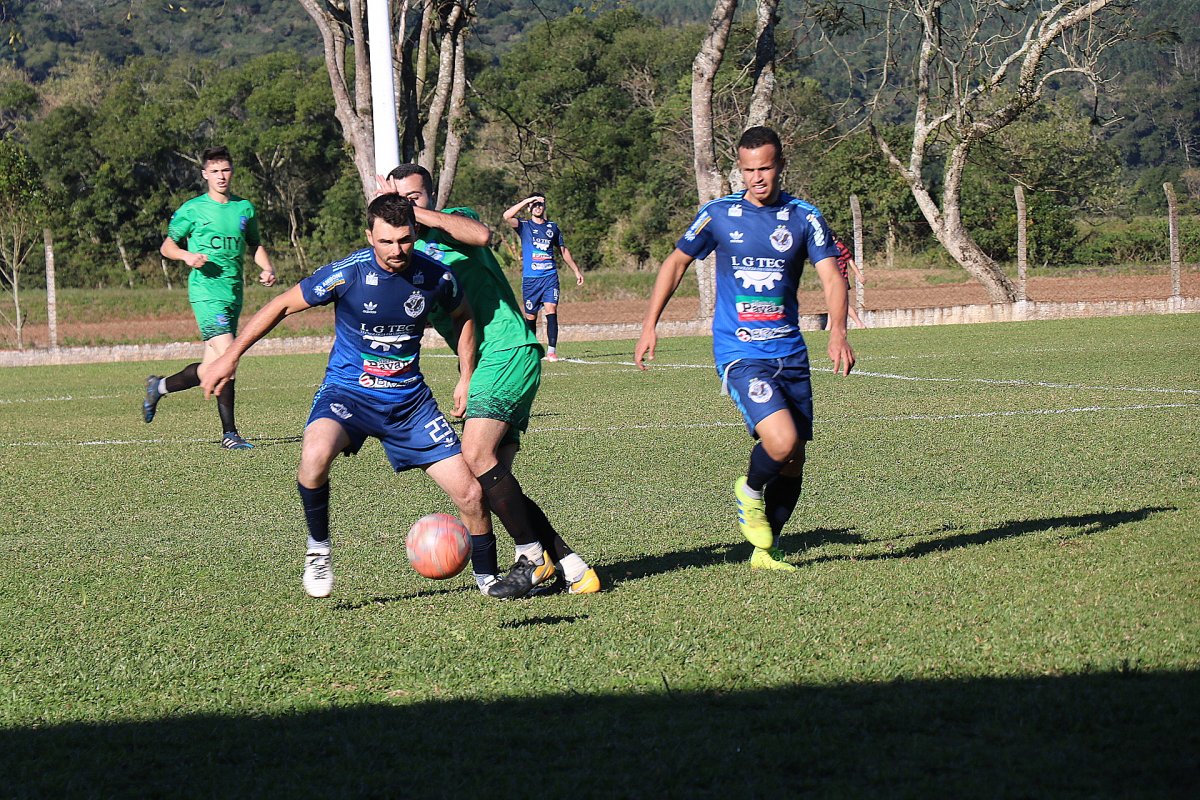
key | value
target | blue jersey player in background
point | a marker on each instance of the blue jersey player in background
(762, 237)
(373, 387)
(539, 268)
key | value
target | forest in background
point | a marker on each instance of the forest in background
(104, 104)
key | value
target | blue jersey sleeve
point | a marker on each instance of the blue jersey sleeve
(698, 241)
(558, 240)
(326, 284)
(820, 240)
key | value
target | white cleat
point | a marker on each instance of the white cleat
(318, 572)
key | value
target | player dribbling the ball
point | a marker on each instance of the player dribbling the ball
(373, 387)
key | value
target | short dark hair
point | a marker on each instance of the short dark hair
(219, 153)
(392, 209)
(404, 170)
(760, 136)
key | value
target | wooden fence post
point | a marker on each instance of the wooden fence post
(1173, 233)
(1022, 245)
(856, 210)
(51, 293)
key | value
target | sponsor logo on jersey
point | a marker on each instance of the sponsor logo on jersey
(736, 237)
(762, 334)
(243, 222)
(386, 343)
(373, 382)
(759, 390)
(759, 309)
(760, 280)
(326, 286)
(372, 279)
(340, 410)
(370, 308)
(387, 367)
(818, 230)
(781, 239)
(414, 306)
(783, 214)
(735, 211)
(697, 226)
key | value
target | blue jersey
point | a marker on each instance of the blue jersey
(379, 317)
(538, 241)
(760, 256)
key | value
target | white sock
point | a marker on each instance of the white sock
(162, 386)
(483, 581)
(574, 567)
(313, 544)
(532, 551)
(752, 494)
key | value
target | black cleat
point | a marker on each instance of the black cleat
(153, 395)
(516, 583)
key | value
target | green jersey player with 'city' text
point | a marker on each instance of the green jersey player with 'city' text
(211, 234)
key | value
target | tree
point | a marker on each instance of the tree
(21, 211)
(343, 29)
(959, 74)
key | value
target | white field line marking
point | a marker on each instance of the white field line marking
(682, 425)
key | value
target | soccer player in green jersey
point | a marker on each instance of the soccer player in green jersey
(211, 234)
(502, 389)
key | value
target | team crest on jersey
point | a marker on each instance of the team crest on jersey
(372, 279)
(736, 237)
(340, 410)
(760, 391)
(370, 308)
(414, 306)
(818, 230)
(735, 211)
(781, 239)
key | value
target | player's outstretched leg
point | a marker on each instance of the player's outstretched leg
(577, 576)
(158, 387)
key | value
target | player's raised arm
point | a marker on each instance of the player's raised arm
(837, 301)
(221, 371)
(510, 216)
(669, 275)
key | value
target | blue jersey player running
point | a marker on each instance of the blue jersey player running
(539, 268)
(762, 237)
(383, 296)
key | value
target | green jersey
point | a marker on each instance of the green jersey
(221, 231)
(499, 323)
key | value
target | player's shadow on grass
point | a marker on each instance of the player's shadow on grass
(1112, 733)
(354, 605)
(1074, 526)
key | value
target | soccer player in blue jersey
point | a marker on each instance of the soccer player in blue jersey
(539, 268)
(383, 296)
(762, 237)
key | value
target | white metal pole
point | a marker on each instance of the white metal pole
(383, 89)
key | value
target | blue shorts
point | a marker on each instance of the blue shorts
(536, 292)
(413, 432)
(760, 387)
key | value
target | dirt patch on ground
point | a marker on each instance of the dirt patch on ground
(885, 290)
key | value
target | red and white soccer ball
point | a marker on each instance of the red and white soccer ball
(439, 546)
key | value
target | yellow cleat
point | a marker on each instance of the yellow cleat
(752, 517)
(588, 584)
(544, 571)
(770, 558)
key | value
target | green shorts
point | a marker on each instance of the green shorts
(503, 387)
(216, 317)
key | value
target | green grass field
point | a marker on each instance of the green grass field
(999, 593)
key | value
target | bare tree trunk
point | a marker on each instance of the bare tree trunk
(762, 98)
(456, 123)
(125, 261)
(422, 70)
(1173, 233)
(351, 95)
(1022, 245)
(891, 244)
(166, 273)
(856, 213)
(51, 289)
(445, 83)
(710, 183)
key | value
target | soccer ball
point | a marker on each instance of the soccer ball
(439, 546)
